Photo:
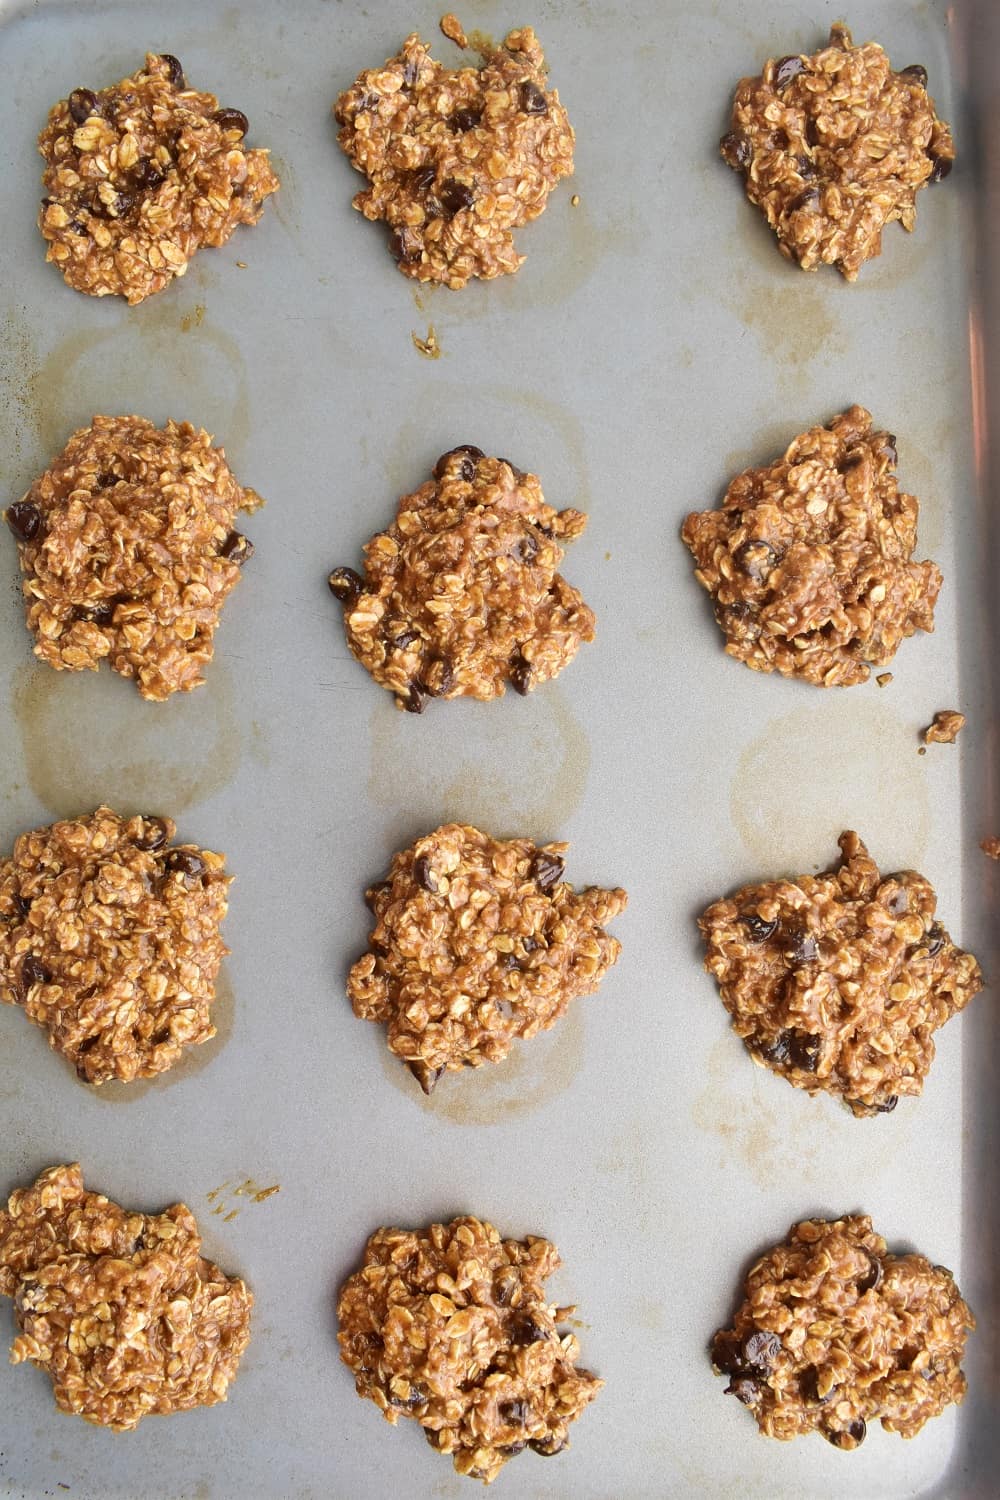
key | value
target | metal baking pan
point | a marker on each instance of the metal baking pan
(653, 343)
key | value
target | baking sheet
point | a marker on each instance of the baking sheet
(653, 343)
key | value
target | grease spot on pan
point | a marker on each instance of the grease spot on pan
(829, 765)
(534, 1073)
(88, 737)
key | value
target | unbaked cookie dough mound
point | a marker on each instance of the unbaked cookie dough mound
(835, 1332)
(478, 941)
(809, 560)
(456, 160)
(838, 981)
(461, 594)
(139, 176)
(834, 147)
(452, 1329)
(128, 551)
(120, 1309)
(109, 939)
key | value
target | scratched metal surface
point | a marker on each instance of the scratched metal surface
(653, 342)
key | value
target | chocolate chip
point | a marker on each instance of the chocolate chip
(367, 103)
(456, 195)
(889, 449)
(423, 178)
(514, 1412)
(237, 548)
(21, 906)
(533, 101)
(512, 1449)
(525, 550)
(175, 73)
(757, 559)
(82, 104)
(785, 69)
(231, 119)
(526, 1331)
(889, 1105)
(465, 119)
(346, 585)
(443, 674)
(800, 946)
(916, 73)
(851, 1437)
(549, 1446)
(467, 471)
(899, 902)
(807, 199)
(102, 613)
(804, 1050)
(153, 835)
(147, 174)
(425, 1075)
(739, 620)
(374, 891)
(33, 972)
(520, 674)
(547, 868)
(745, 1388)
(873, 1276)
(24, 520)
(809, 1387)
(122, 206)
(737, 151)
(184, 862)
(411, 72)
(941, 168)
(506, 961)
(529, 943)
(760, 1350)
(758, 927)
(424, 875)
(406, 638)
(404, 246)
(936, 938)
(416, 699)
(778, 1050)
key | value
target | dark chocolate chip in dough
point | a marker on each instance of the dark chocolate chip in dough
(232, 119)
(24, 520)
(547, 869)
(82, 104)
(346, 585)
(533, 101)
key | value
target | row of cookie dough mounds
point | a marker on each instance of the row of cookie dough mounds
(461, 595)
(478, 941)
(835, 1332)
(456, 159)
(120, 1309)
(833, 147)
(838, 981)
(109, 939)
(128, 551)
(139, 176)
(452, 1329)
(808, 561)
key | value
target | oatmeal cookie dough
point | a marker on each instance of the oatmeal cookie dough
(109, 939)
(460, 594)
(139, 176)
(120, 1309)
(835, 1332)
(809, 560)
(834, 147)
(451, 1328)
(456, 160)
(478, 941)
(948, 724)
(128, 551)
(839, 981)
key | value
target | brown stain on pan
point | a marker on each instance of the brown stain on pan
(534, 1073)
(85, 740)
(532, 790)
(830, 765)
